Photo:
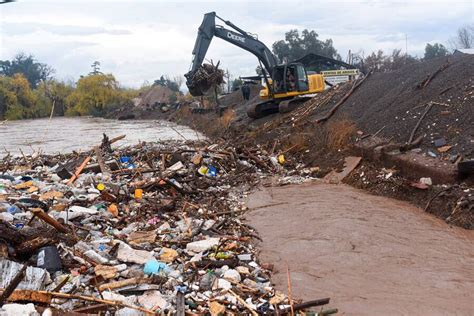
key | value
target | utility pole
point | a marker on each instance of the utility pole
(406, 48)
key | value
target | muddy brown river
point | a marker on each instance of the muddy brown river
(67, 134)
(371, 255)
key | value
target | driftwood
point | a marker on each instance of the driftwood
(344, 98)
(290, 295)
(10, 234)
(180, 304)
(231, 263)
(244, 303)
(100, 160)
(428, 79)
(428, 108)
(79, 170)
(132, 281)
(305, 305)
(45, 297)
(32, 245)
(49, 220)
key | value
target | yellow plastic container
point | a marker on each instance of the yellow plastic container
(138, 193)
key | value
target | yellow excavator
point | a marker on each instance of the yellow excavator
(286, 85)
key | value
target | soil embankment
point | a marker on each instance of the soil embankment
(372, 255)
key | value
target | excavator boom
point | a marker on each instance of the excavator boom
(239, 37)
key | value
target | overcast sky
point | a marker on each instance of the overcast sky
(139, 40)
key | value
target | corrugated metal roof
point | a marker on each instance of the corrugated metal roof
(465, 51)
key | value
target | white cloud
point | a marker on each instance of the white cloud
(142, 39)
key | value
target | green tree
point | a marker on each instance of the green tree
(17, 100)
(435, 50)
(165, 81)
(295, 46)
(96, 95)
(54, 93)
(95, 68)
(34, 71)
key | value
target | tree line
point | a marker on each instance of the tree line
(296, 45)
(28, 90)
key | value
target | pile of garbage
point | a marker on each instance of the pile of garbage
(147, 229)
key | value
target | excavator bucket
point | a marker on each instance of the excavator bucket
(203, 78)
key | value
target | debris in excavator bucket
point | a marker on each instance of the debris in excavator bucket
(202, 79)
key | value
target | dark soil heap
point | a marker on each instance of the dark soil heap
(395, 101)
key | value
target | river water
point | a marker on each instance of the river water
(371, 255)
(67, 134)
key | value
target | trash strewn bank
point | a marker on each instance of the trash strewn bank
(148, 229)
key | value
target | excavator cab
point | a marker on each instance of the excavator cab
(290, 78)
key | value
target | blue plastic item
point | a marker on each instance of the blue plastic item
(125, 159)
(13, 209)
(212, 171)
(155, 267)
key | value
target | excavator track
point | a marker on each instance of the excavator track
(290, 105)
(268, 107)
(262, 109)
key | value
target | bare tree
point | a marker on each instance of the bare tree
(179, 80)
(464, 38)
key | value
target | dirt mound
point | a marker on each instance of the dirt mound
(393, 103)
(156, 94)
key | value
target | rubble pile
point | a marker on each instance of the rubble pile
(153, 228)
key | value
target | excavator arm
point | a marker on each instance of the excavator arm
(239, 37)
